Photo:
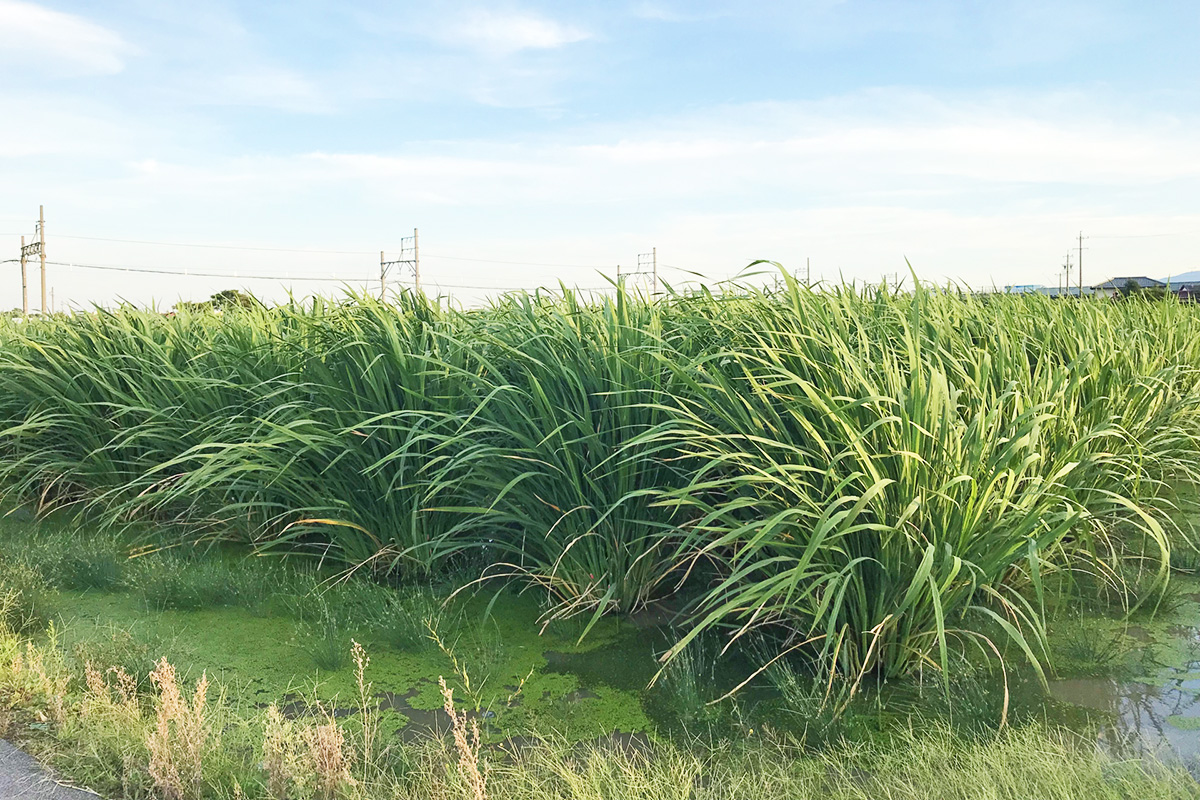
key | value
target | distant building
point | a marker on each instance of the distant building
(1058, 291)
(1187, 292)
(1022, 288)
(1115, 286)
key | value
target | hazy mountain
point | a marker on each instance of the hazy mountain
(1184, 277)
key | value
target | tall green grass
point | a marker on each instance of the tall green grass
(868, 479)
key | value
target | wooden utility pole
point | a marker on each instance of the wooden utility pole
(1081, 264)
(382, 277)
(42, 250)
(24, 282)
(654, 256)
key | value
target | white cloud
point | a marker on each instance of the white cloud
(265, 87)
(990, 189)
(503, 33)
(56, 42)
(662, 12)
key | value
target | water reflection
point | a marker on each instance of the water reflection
(1157, 716)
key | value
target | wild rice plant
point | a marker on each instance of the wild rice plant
(873, 491)
(570, 496)
(871, 479)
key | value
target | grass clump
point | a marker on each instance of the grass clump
(324, 634)
(178, 582)
(889, 477)
(26, 599)
(90, 567)
(404, 618)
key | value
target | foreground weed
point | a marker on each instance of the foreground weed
(133, 651)
(327, 753)
(466, 744)
(40, 678)
(282, 760)
(181, 738)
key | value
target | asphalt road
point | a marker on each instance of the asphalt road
(22, 778)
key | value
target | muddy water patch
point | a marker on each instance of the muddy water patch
(1149, 700)
(1146, 719)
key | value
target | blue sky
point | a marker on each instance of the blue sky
(974, 139)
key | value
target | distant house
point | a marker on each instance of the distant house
(1187, 292)
(1115, 286)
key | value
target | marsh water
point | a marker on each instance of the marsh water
(1150, 702)
(1131, 682)
(1135, 688)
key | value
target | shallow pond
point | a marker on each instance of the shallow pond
(1135, 685)
(1147, 692)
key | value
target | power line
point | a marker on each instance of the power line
(1142, 235)
(284, 278)
(441, 285)
(221, 246)
(516, 263)
(192, 274)
(320, 252)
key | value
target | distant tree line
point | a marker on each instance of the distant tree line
(228, 298)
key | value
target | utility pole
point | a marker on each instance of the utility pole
(24, 282)
(654, 268)
(42, 250)
(37, 248)
(1066, 272)
(1081, 238)
(416, 261)
(647, 264)
(410, 259)
(807, 271)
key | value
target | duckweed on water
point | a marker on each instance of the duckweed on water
(536, 690)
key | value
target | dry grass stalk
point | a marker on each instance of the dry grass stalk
(120, 695)
(180, 736)
(327, 755)
(466, 742)
(370, 724)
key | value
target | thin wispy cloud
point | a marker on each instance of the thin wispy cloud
(56, 43)
(504, 32)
